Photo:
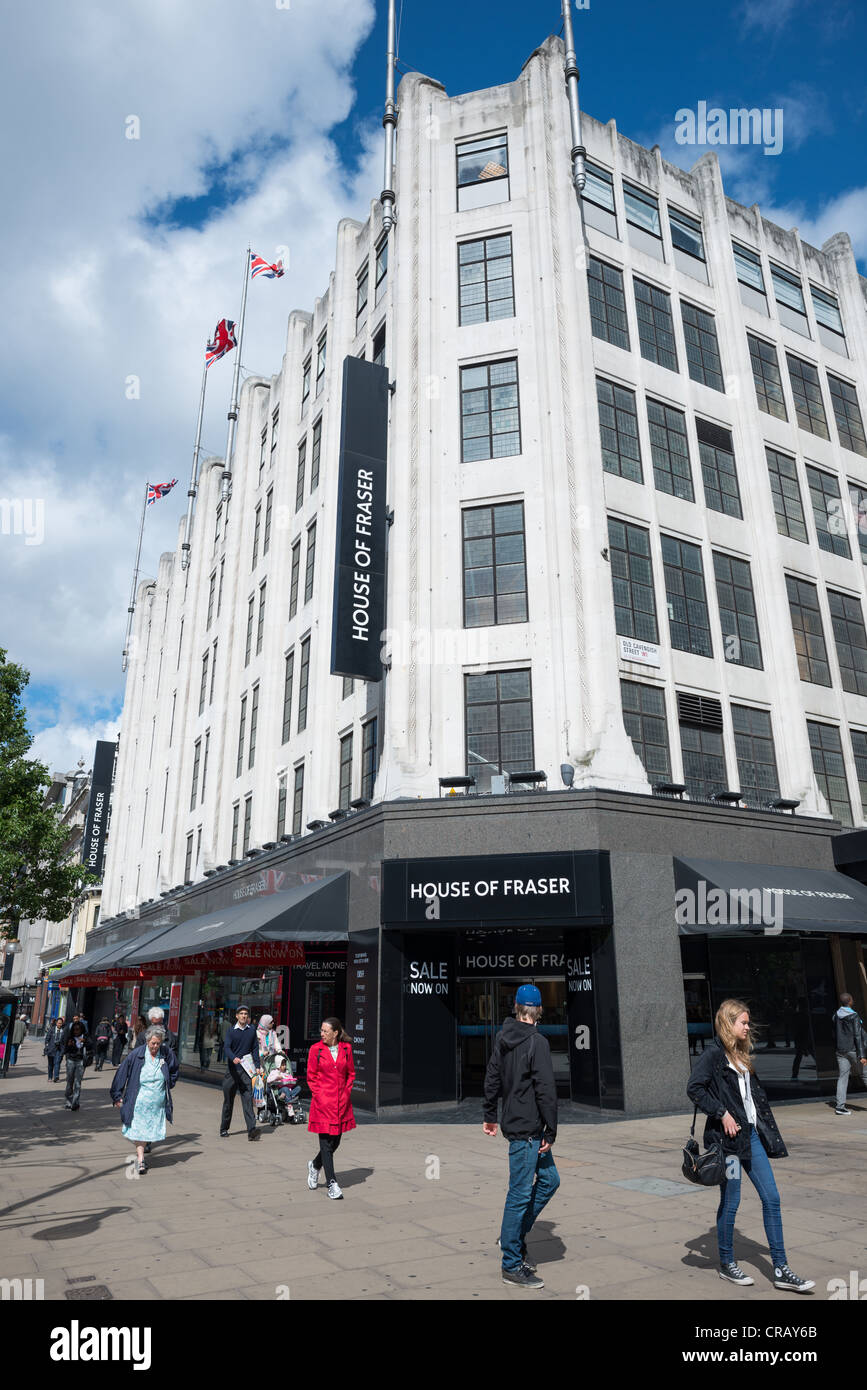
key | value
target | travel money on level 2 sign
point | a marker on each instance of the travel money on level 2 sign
(359, 570)
(96, 825)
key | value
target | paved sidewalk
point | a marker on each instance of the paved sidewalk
(421, 1213)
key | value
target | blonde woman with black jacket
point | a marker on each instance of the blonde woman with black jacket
(725, 1086)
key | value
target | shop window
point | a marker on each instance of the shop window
(645, 722)
(830, 769)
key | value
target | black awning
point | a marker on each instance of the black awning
(89, 962)
(719, 897)
(316, 911)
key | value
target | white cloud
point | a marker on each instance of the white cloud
(99, 295)
(61, 745)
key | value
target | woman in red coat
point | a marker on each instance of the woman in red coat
(330, 1075)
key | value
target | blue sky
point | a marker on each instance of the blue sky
(264, 124)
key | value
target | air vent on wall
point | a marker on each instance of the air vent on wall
(714, 435)
(699, 710)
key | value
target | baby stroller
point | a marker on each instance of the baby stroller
(276, 1108)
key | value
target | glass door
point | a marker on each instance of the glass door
(483, 1007)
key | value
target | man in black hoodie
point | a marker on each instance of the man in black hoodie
(520, 1071)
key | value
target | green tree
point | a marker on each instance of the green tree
(37, 877)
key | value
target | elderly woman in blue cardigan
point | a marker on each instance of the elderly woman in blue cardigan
(142, 1087)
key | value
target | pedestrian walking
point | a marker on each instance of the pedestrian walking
(135, 1034)
(157, 1019)
(242, 1059)
(521, 1073)
(142, 1087)
(119, 1032)
(53, 1047)
(208, 1040)
(268, 1045)
(801, 1034)
(78, 1053)
(19, 1033)
(850, 1041)
(724, 1085)
(330, 1076)
(101, 1040)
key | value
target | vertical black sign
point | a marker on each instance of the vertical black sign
(361, 1014)
(96, 825)
(359, 569)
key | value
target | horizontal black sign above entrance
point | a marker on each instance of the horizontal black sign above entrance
(574, 886)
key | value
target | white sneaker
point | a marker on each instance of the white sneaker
(334, 1192)
(312, 1175)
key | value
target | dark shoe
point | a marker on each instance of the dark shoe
(224, 1134)
(148, 1148)
(522, 1278)
(785, 1279)
(842, 1110)
(142, 1167)
(734, 1275)
(75, 1106)
(524, 1260)
(252, 1134)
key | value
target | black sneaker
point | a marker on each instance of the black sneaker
(734, 1274)
(524, 1259)
(841, 1110)
(785, 1279)
(252, 1134)
(523, 1278)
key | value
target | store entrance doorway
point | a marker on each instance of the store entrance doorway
(483, 1007)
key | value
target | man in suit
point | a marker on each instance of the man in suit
(241, 1041)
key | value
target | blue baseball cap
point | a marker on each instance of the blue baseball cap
(528, 994)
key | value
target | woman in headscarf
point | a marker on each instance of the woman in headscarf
(268, 1045)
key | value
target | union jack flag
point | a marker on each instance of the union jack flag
(158, 490)
(224, 341)
(259, 266)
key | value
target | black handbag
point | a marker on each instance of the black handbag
(706, 1169)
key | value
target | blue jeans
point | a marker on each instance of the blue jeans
(758, 1169)
(525, 1199)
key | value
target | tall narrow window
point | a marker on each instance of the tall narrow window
(275, 434)
(828, 321)
(256, 529)
(361, 300)
(172, 721)
(368, 758)
(783, 475)
(321, 352)
(248, 646)
(254, 725)
(315, 454)
(702, 348)
(236, 812)
(303, 684)
(220, 588)
(298, 800)
(381, 271)
(218, 525)
(165, 799)
(655, 325)
(830, 769)
(719, 475)
(305, 385)
(807, 631)
(499, 725)
(482, 172)
(490, 426)
(607, 303)
(688, 244)
(379, 347)
(766, 377)
(293, 579)
(598, 200)
(737, 611)
(828, 512)
(311, 561)
(642, 220)
(669, 450)
(299, 479)
(790, 300)
(618, 430)
(205, 764)
(248, 822)
(847, 621)
(347, 688)
(212, 585)
(757, 763)
(213, 671)
(632, 578)
(282, 791)
(345, 788)
(180, 643)
(859, 753)
(242, 726)
(701, 741)
(645, 722)
(263, 451)
(260, 625)
(197, 756)
(807, 391)
(203, 684)
(288, 677)
(847, 413)
(688, 619)
(486, 287)
(269, 507)
(188, 860)
(495, 573)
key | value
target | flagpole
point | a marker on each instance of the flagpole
(194, 474)
(226, 489)
(131, 609)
